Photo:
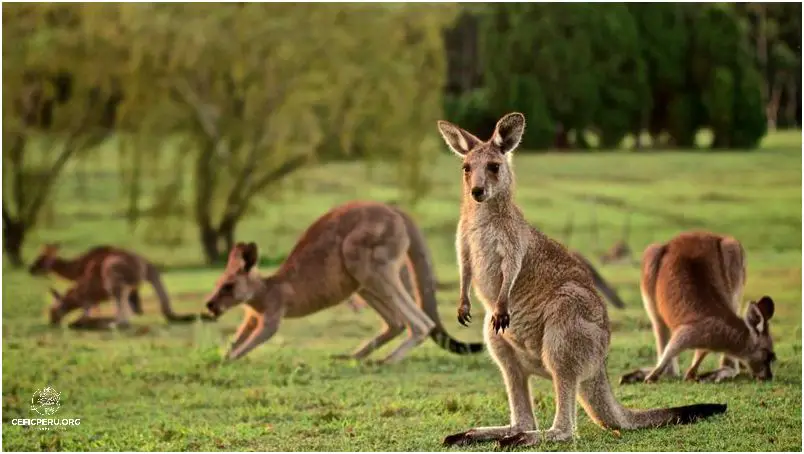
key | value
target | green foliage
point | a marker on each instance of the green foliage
(616, 70)
(724, 75)
(253, 92)
(471, 111)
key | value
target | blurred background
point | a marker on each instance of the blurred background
(176, 123)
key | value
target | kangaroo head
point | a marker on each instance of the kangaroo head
(757, 318)
(44, 261)
(239, 281)
(487, 170)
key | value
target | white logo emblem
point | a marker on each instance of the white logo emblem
(45, 402)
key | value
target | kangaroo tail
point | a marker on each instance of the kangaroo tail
(600, 283)
(600, 404)
(419, 256)
(152, 275)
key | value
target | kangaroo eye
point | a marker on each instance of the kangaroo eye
(493, 167)
(228, 287)
(467, 168)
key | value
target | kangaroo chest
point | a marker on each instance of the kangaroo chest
(489, 247)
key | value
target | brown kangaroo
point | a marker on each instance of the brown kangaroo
(543, 315)
(692, 287)
(101, 273)
(366, 247)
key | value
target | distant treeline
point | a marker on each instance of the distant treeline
(669, 69)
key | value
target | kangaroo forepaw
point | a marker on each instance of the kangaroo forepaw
(632, 377)
(717, 376)
(651, 378)
(464, 316)
(342, 356)
(458, 439)
(500, 320)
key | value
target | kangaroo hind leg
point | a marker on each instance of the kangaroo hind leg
(519, 399)
(386, 284)
(393, 326)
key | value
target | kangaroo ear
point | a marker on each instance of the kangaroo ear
(766, 307)
(755, 318)
(458, 140)
(508, 132)
(250, 254)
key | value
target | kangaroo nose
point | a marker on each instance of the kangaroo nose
(213, 308)
(477, 193)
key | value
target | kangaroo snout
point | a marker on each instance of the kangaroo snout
(213, 309)
(478, 194)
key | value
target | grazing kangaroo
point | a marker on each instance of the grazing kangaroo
(101, 273)
(692, 287)
(600, 283)
(543, 315)
(366, 247)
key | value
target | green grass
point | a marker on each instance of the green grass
(159, 387)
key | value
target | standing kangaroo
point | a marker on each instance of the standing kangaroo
(370, 248)
(692, 287)
(101, 273)
(543, 316)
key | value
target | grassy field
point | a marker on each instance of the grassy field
(160, 387)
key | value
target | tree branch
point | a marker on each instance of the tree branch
(69, 149)
(17, 166)
(6, 216)
(205, 115)
(290, 166)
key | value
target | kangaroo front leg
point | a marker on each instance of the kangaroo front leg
(684, 338)
(465, 272)
(697, 359)
(510, 270)
(244, 331)
(261, 333)
(519, 402)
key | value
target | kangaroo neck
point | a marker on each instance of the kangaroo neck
(746, 342)
(498, 208)
(67, 268)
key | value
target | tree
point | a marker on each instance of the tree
(251, 93)
(50, 117)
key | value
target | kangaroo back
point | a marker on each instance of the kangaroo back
(419, 256)
(600, 404)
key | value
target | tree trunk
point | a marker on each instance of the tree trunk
(226, 232)
(561, 138)
(209, 243)
(13, 237)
